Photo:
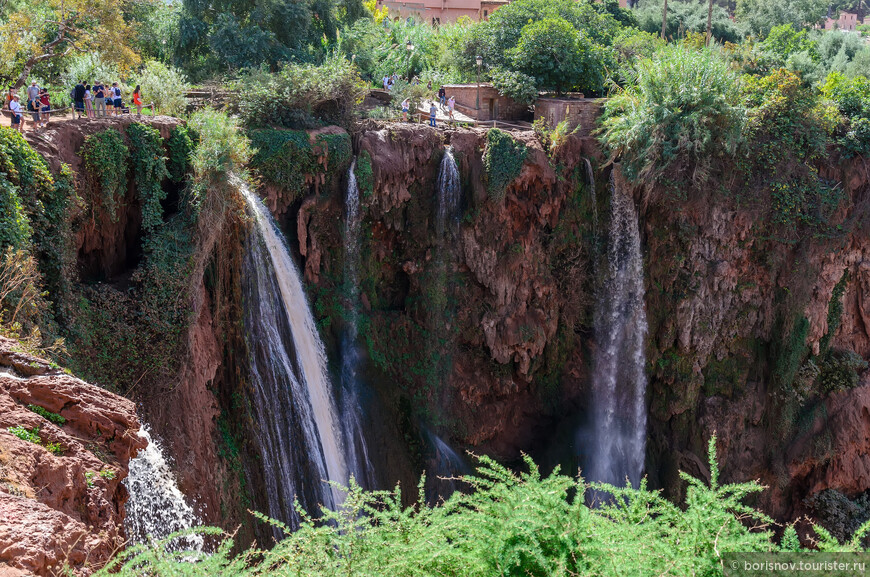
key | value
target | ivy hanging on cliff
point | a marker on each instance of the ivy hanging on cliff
(105, 156)
(288, 159)
(502, 162)
(33, 220)
(149, 169)
(179, 148)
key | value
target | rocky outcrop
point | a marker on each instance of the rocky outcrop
(106, 246)
(61, 498)
(727, 297)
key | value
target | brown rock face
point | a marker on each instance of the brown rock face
(474, 316)
(105, 244)
(63, 505)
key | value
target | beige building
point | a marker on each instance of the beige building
(847, 21)
(441, 11)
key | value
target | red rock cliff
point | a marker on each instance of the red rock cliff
(63, 505)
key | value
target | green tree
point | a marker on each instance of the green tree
(44, 33)
(761, 16)
(687, 16)
(559, 57)
(231, 34)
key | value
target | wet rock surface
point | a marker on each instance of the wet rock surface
(61, 501)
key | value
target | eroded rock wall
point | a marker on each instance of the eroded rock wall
(61, 501)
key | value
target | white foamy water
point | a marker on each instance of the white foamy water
(351, 417)
(156, 507)
(449, 194)
(619, 377)
(298, 428)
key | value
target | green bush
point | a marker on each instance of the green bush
(679, 109)
(105, 156)
(502, 162)
(14, 224)
(851, 96)
(149, 170)
(285, 158)
(506, 523)
(222, 146)
(840, 371)
(29, 435)
(518, 85)
(165, 87)
(45, 413)
(301, 95)
(179, 148)
(786, 134)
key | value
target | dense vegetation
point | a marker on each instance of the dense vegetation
(769, 98)
(508, 524)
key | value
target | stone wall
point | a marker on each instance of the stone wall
(582, 112)
(493, 106)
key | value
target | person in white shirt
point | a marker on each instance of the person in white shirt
(17, 116)
(89, 102)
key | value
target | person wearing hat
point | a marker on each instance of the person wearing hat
(15, 108)
(33, 100)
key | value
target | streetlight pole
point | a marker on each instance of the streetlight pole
(479, 61)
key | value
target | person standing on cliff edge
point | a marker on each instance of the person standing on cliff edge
(15, 108)
(78, 95)
(433, 112)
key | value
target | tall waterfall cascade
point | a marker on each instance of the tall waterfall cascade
(156, 507)
(449, 194)
(355, 441)
(593, 195)
(297, 421)
(619, 368)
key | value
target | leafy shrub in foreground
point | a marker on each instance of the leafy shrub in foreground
(508, 524)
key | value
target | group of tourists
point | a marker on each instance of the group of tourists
(38, 104)
(89, 101)
(102, 100)
(433, 109)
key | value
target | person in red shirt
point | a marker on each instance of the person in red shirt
(44, 107)
(137, 99)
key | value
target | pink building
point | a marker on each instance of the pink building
(441, 11)
(847, 21)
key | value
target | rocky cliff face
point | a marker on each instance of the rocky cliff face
(64, 450)
(466, 328)
(741, 326)
(489, 332)
(183, 409)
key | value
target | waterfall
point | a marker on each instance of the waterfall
(448, 194)
(593, 195)
(156, 507)
(443, 469)
(358, 456)
(619, 377)
(297, 425)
